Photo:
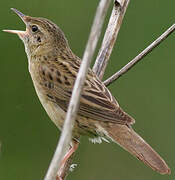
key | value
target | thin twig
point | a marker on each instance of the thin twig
(110, 36)
(66, 134)
(140, 56)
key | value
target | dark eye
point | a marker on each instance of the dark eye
(34, 28)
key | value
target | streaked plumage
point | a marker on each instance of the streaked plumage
(54, 67)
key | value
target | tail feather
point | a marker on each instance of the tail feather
(133, 143)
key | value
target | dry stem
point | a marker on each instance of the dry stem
(114, 24)
(110, 36)
(66, 134)
(140, 56)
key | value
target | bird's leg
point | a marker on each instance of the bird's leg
(73, 147)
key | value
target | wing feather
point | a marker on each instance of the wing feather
(96, 101)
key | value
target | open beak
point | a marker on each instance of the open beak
(22, 16)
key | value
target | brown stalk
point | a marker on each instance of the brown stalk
(110, 36)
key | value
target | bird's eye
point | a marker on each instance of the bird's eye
(34, 28)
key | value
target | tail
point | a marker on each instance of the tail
(133, 143)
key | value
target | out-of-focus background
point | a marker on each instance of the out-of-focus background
(146, 92)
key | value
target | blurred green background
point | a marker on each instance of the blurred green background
(146, 92)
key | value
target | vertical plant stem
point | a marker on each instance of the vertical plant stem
(110, 36)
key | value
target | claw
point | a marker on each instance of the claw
(72, 167)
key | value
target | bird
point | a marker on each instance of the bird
(53, 68)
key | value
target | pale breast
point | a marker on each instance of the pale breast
(56, 114)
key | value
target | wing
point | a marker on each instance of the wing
(96, 102)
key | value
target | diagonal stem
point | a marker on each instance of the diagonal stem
(66, 134)
(140, 56)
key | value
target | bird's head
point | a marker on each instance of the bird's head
(41, 35)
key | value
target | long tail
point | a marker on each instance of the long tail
(133, 143)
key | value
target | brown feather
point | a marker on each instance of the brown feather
(133, 143)
(96, 101)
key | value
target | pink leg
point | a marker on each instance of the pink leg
(73, 148)
(70, 152)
